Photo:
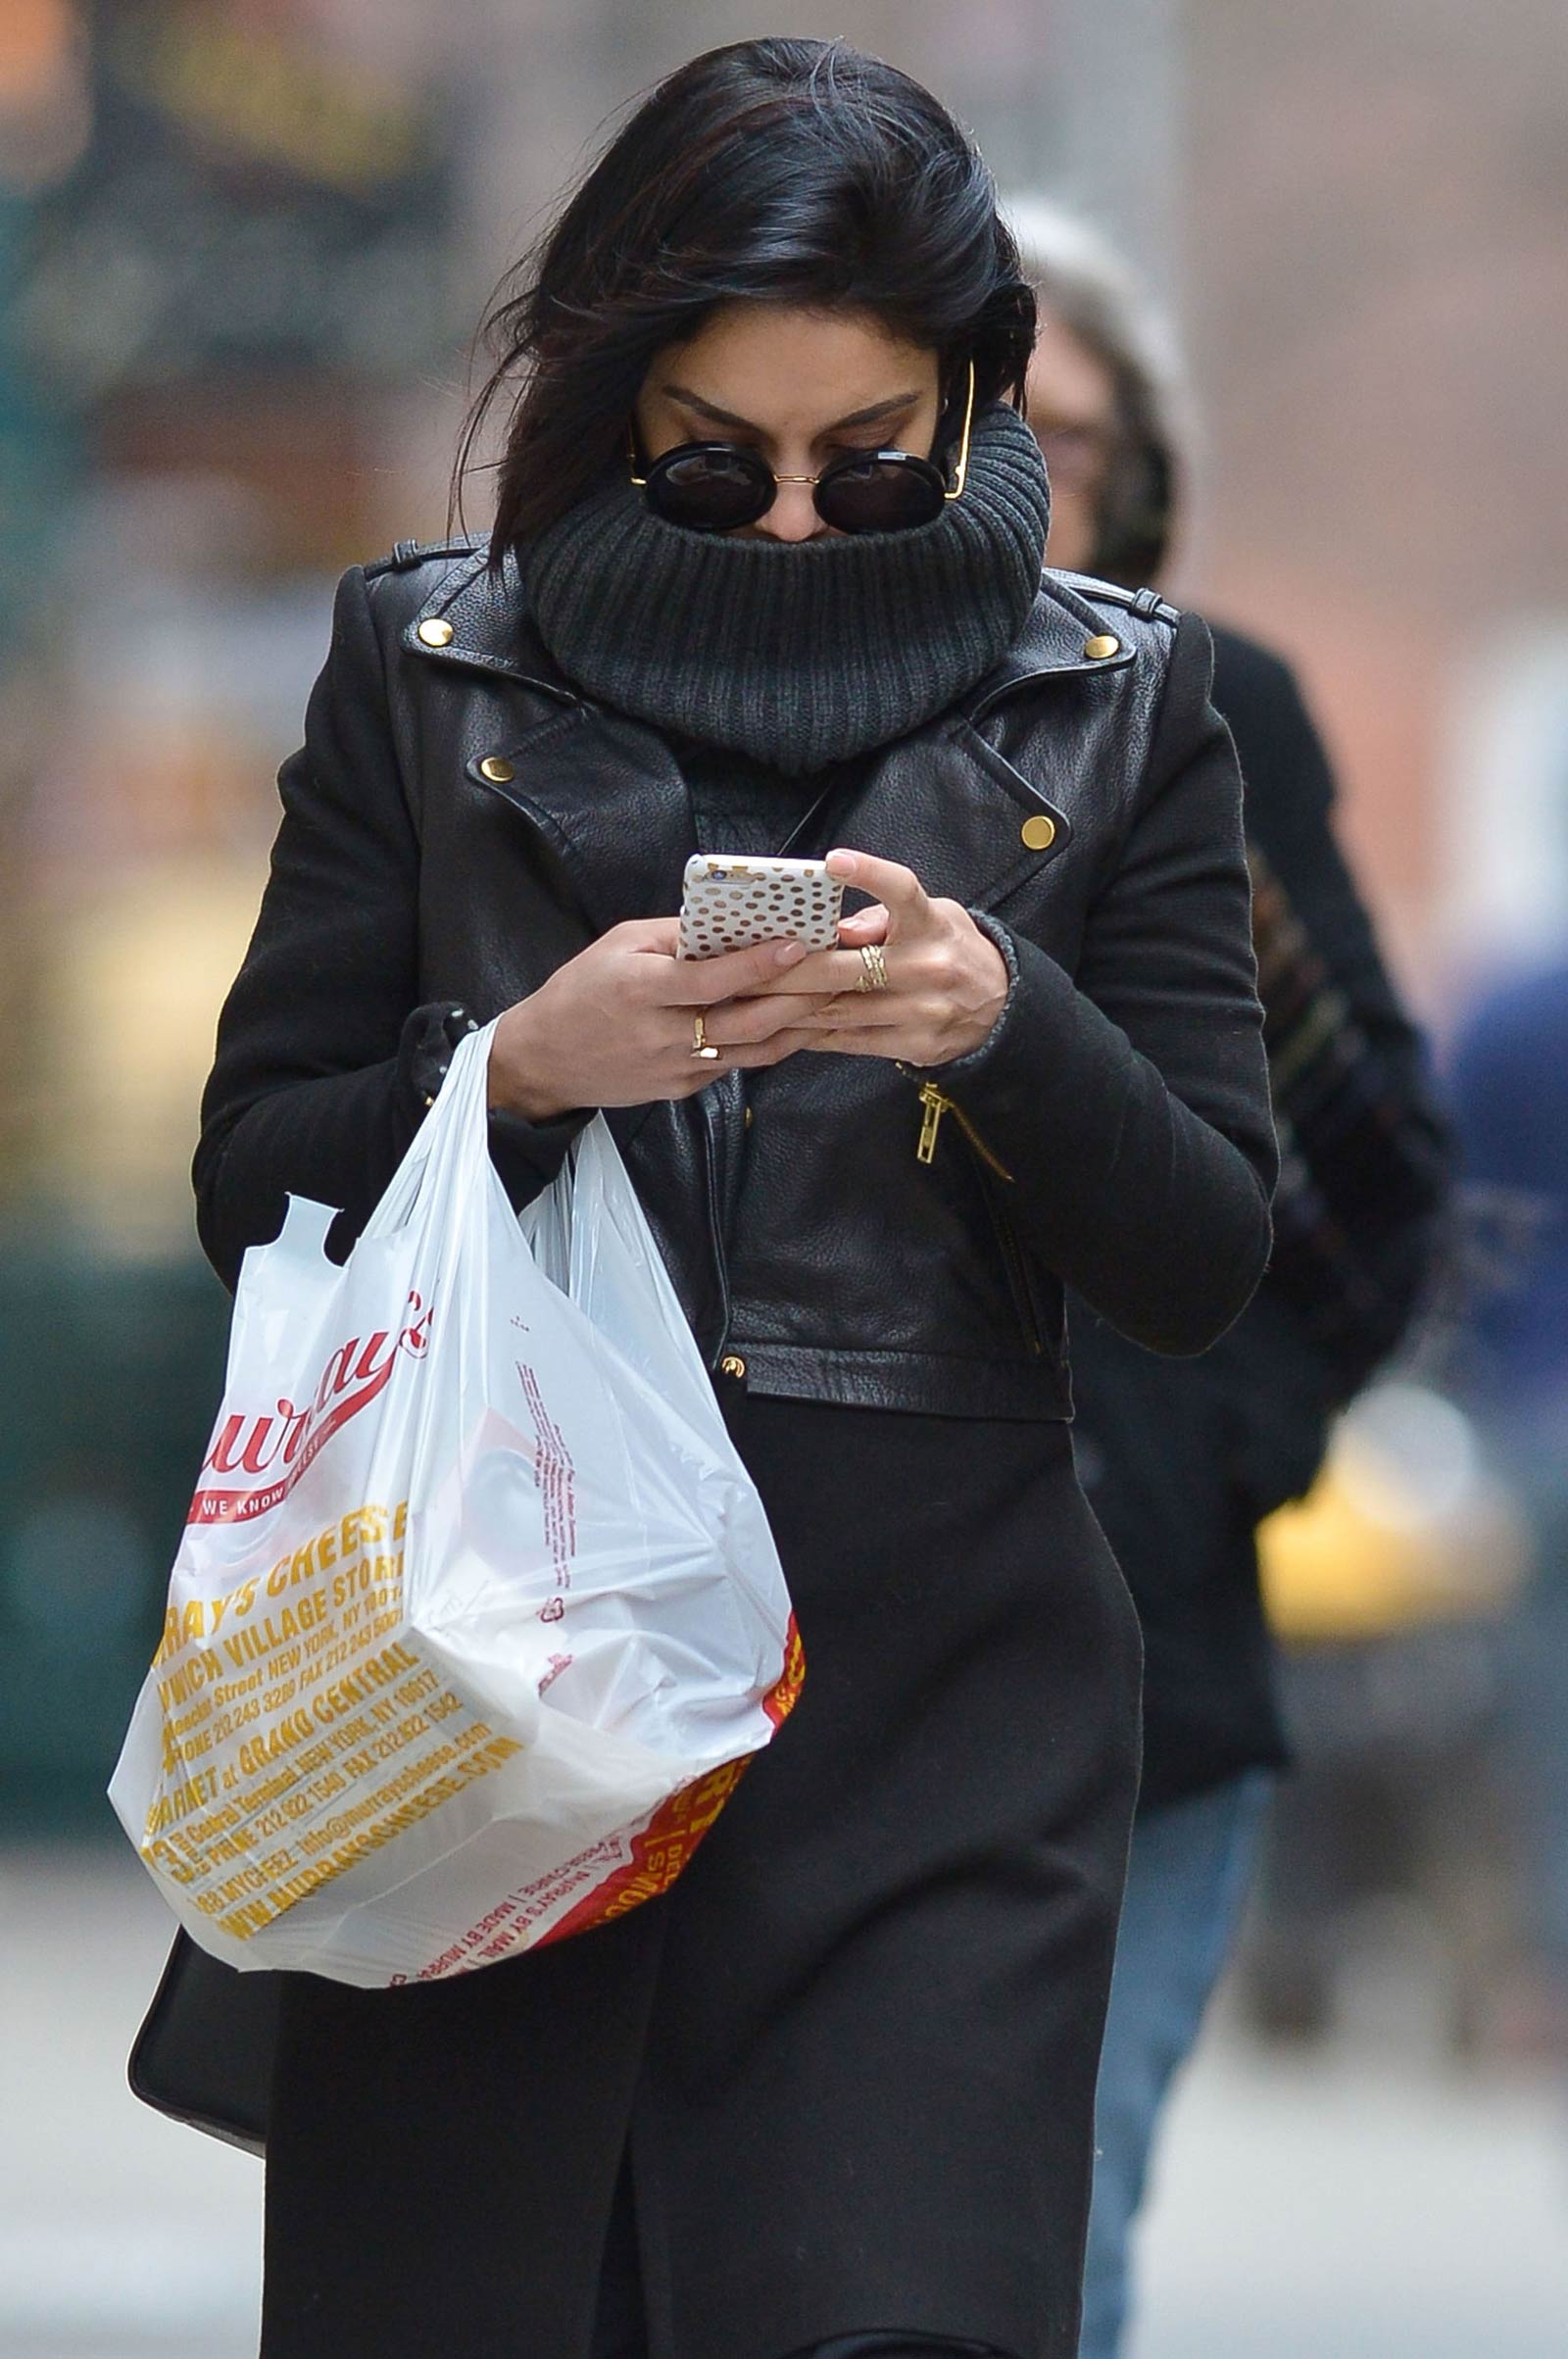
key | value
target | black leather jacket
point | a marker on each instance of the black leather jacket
(460, 821)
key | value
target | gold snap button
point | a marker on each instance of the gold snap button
(732, 1365)
(1038, 833)
(497, 768)
(435, 631)
(1102, 646)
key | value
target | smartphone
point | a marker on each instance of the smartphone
(730, 902)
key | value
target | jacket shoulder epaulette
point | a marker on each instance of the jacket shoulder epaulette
(1147, 605)
(408, 554)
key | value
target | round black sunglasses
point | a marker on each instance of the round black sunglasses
(719, 486)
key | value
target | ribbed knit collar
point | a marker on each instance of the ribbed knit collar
(800, 653)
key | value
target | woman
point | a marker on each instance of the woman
(814, 2094)
(1182, 1461)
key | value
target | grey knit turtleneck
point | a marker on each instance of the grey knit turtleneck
(800, 653)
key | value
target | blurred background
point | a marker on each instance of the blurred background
(243, 244)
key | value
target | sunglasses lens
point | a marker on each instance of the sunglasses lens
(880, 495)
(709, 490)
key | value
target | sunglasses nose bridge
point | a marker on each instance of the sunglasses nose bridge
(792, 514)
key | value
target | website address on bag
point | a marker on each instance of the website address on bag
(264, 1908)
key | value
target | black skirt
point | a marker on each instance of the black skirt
(845, 2070)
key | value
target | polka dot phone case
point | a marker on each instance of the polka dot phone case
(731, 902)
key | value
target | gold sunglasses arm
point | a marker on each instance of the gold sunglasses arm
(961, 471)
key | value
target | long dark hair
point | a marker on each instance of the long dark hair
(780, 170)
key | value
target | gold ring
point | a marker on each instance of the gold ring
(875, 977)
(699, 1041)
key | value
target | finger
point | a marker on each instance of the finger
(856, 1012)
(825, 974)
(896, 887)
(658, 935)
(753, 1057)
(734, 974)
(864, 1042)
(865, 925)
(740, 1022)
(766, 1052)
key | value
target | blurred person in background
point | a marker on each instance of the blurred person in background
(1183, 1461)
(1509, 1082)
(765, 575)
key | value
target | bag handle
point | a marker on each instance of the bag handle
(456, 1124)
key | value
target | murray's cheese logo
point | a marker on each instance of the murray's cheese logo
(281, 1444)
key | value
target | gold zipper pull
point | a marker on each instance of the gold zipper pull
(935, 1107)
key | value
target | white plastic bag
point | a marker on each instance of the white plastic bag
(477, 1617)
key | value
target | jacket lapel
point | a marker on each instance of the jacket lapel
(948, 803)
(610, 801)
(604, 794)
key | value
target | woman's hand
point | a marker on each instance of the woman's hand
(946, 981)
(616, 1025)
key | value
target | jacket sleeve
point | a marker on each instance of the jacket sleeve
(1130, 1101)
(326, 1063)
(1365, 1183)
